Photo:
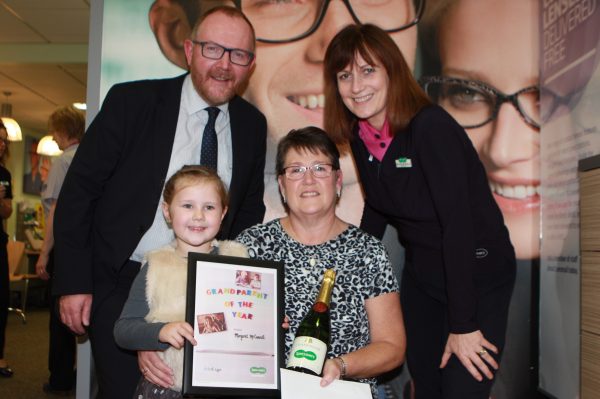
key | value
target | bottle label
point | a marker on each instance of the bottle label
(308, 352)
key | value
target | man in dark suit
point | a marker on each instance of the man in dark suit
(108, 215)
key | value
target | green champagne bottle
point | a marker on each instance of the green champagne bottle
(309, 349)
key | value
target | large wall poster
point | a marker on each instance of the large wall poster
(480, 53)
(287, 86)
(145, 33)
(129, 49)
(570, 80)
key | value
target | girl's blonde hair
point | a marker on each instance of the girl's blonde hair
(189, 175)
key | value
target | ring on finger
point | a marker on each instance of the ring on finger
(144, 371)
(482, 352)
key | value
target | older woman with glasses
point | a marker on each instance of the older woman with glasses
(421, 173)
(367, 331)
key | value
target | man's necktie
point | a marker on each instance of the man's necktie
(210, 147)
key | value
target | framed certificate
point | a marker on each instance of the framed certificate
(236, 308)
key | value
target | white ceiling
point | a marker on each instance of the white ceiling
(43, 57)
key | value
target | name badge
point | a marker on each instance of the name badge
(403, 162)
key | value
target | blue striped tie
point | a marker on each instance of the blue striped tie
(210, 146)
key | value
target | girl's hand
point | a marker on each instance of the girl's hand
(472, 351)
(175, 334)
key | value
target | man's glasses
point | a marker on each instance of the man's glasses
(297, 172)
(280, 21)
(215, 51)
(474, 104)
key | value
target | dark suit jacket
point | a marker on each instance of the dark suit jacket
(113, 187)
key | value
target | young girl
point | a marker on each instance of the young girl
(195, 202)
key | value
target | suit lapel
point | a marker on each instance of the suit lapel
(237, 146)
(167, 114)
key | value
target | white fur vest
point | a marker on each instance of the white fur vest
(166, 294)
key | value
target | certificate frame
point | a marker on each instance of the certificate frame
(236, 308)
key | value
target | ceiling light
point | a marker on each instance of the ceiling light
(12, 127)
(47, 146)
(80, 106)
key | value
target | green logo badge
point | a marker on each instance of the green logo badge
(258, 370)
(308, 355)
(403, 162)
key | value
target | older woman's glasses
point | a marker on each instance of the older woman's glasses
(215, 51)
(297, 172)
(283, 21)
(474, 104)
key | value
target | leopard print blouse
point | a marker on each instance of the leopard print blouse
(363, 271)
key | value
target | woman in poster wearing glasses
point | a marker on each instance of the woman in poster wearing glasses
(421, 173)
(483, 68)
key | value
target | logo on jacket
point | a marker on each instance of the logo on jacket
(481, 253)
(403, 162)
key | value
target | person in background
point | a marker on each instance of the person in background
(66, 125)
(194, 204)
(421, 173)
(367, 331)
(109, 214)
(5, 212)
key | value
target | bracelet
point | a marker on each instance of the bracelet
(343, 367)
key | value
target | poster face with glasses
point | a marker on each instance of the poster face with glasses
(235, 306)
(480, 65)
(484, 41)
(36, 167)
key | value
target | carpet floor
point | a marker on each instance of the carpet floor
(27, 353)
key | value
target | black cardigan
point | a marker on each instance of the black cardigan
(433, 188)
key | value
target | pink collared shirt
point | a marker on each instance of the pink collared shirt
(377, 142)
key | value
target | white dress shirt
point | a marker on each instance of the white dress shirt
(186, 151)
